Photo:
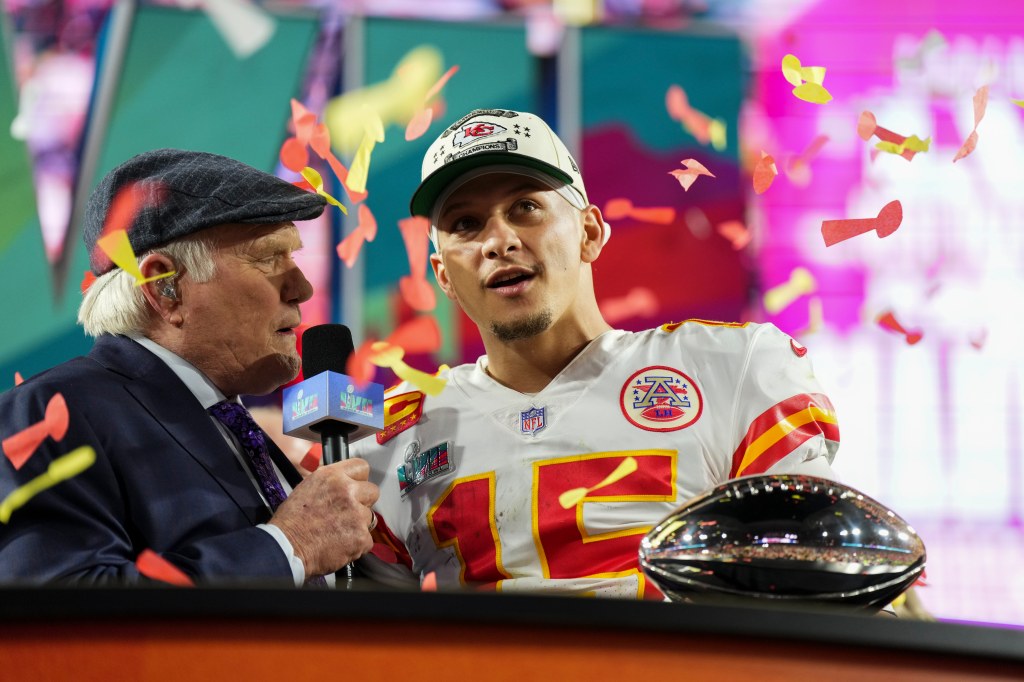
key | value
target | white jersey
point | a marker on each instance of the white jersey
(496, 489)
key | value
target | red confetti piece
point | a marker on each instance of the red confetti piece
(980, 104)
(359, 367)
(764, 173)
(365, 231)
(889, 218)
(125, 206)
(418, 293)
(20, 446)
(87, 281)
(639, 302)
(867, 127)
(687, 177)
(294, 155)
(18, 380)
(320, 140)
(429, 583)
(155, 567)
(736, 232)
(888, 321)
(304, 121)
(311, 460)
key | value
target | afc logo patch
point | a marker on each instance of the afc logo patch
(661, 399)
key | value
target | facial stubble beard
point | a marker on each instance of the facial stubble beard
(524, 328)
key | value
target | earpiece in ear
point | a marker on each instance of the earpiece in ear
(169, 291)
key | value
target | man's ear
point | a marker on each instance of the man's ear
(441, 275)
(593, 234)
(161, 294)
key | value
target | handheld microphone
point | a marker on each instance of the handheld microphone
(326, 405)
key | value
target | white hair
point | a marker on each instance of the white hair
(114, 304)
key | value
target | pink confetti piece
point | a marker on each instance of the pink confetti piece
(419, 335)
(736, 232)
(418, 293)
(429, 583)
(441, 82)
(888, 321)
(977, 340)
(980, 105)
(693, 121)
(365, 231)
(764, 173)
(798, 168)
(639, 302)
(18, 380)
(419, 124)
(416, 237)
(155, 567)
(867, 127)
(20, 446)
(888, 220)
(687, 177)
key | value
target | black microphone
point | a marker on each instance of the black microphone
(326, 348)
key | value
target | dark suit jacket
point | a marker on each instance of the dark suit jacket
(164, 479)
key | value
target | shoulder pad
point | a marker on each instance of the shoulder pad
(400, 412)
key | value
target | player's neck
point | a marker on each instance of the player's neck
(528, 365)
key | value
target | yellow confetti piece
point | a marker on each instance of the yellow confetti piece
(913, 143)
(389, 355)
(717, 132)
(813, 93)
(791, 69)
(119, 250)
(360, 169)
(814, 74)
(314, 179)
(60, 469)
(801, 282)
(1018, 102)
(570, 498)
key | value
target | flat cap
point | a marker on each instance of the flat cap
(180, 192)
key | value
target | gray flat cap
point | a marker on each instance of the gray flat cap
(185, 192)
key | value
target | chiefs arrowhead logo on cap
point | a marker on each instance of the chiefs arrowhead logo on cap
(472, 132)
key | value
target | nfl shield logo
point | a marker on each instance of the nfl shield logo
(532, 420)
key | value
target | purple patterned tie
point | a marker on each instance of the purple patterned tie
(250, 436)
(254, 445)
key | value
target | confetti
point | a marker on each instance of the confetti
(390, 356)
(416, 291)
(736, 232)
(87, 281)
(310, 134)
(155, 567)
(294, 155)
(570, 498)
(980, 104)
(1018, 102)
(245, 27)
(19, 447)
(311, 460)
(806, 79)
(119, 250)
(61, 469)
(365, 231)
(867, 127)
(703, 128)
(888, 321)
(419, 335)
(429, 583)
(616, 209)
(317, 183)
(18, 380)
(780, 297)
(977, 340)
(888, 220)
(815, 317)
(639, 302)
(373, 132)
(798, 168)
(764, 173)
(420, 122)
(687, 177)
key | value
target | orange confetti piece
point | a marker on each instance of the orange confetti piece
(20, 446)
(764, 173)
(616, 209)
(320, 140)
(419, 335)
(294, 155)
(155, 567)
(703, 128)
(416, 237)
(365, 231)
(359, 367)
(87, 281)
(639, 302)
(304, 121)
(888, 321)
(736, 232)
(18, 380)
(441, 82)
(429, 583)
(888, 220)
(418, 293)
(687, 177)
(311, 460)
(980, 104)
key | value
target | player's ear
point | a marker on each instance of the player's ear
(594, 229)
(441, 275)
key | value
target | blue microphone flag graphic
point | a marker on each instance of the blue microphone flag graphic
(331, 396)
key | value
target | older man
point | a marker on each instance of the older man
(180, 467)
(541, 466)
